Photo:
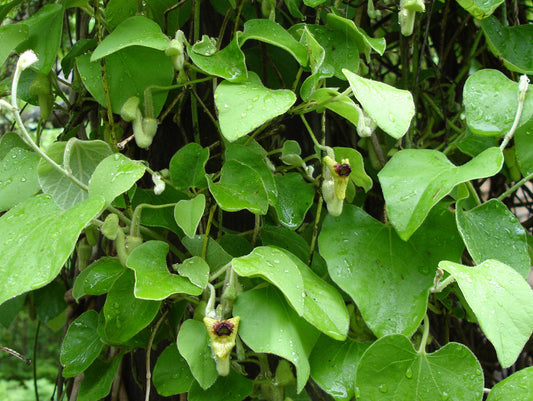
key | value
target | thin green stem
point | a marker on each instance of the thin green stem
(515, 187)
(208, 229)
(425, 335)
(148, 352)
(315, 230)
(473, 192)
(219, 272)
(312, 135)
(443, 284)
(35, 388)
(522, 89)
(135, 225)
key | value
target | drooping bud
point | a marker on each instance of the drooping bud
(128, 112)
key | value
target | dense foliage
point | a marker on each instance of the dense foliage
(281, 200)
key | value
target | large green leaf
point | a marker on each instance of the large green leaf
(333, 366)
(188, 214)
(244, 106)
(171, 373)
(227, 63)
(295, 197)
(484, 116)
(233, 387)
(98, 378)
(18, 177)
(193, 345)
(276, 267)
(268, 324)
(129, 72)
(392, 109)
(44, 36)
(153, 281)
(523, 140)
(515, 387)
(125, 315)
(97, 278)
(502, 301)
(388, 279)
(391, 369)
(135, 31)
(240, 187)
(113, 176)
(270, 32)
(480, 8)
(37, 227)
(81, 159)
(187, 166)
(11, 36)
(491, 231)
(414, 180)
(81, 345)
(510, 43)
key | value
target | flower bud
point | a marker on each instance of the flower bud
(128, 112)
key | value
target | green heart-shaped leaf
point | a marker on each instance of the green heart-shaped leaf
(392, 109)
(268, 324)
(244, 106)
(38, 227)
(153, 281)
(187, 166)
(414, 180)
(188, 214)
(502, 301)
(135, 31)
(484, 116)
(491, 231)
(388, 279)
(295, 197)
(391, 369)
(171, 373)
(97, 278)
(515, 387)
(81, 345)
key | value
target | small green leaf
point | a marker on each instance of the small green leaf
(240, 187)
(11, 36)
(98, 378)
(480, 8)
(491, 231)
(242, 107)
(414, 180)
(502, 301)
(171, 373)
(510, 43)
(97, 278)
(196, 270)
(153, 281)
(290, 154)
(272, 33)
(333, 366)
(187, 167)
(39, 228)
(44, 35)
(114, 176)
(390, 280)
(391, 369)
(193, 345)
(392, 109)
(358, 174)
(227, 63)
(232, 387)
(81, 345)
(188, 214)
(18, 177)
(268, 324)
(125, 315)
(135, 31)
(81, 158)
(515, 387)
(295, 197)
(484, 116)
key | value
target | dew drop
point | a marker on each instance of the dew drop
(383, 388)
(409, 373)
